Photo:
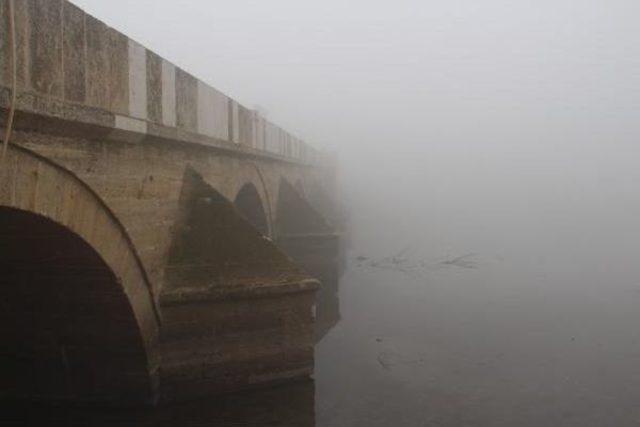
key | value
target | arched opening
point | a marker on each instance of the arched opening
(320, 197)
(219, 243)
(67, 328)
(294, 214)
(250, 207)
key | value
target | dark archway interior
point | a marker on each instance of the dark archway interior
(66, 326)
(250, 207)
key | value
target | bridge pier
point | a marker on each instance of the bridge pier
(178, 196)
(217, 342)
(236, 311)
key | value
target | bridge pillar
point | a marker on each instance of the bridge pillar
(303, 233)
(237, 312)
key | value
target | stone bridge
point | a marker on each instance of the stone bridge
(145, 222)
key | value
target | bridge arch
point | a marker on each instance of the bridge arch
(64, 256)
(250, 206)
(294, 214)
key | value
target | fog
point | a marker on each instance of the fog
(503, 130)
(497, 119)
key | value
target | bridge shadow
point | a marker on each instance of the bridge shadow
(67, 328)
(249, 205)
(219, 243)
(284, 406)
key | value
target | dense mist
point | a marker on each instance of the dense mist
(497, 120)
(494, 146)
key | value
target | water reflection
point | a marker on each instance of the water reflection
(286, 405)
(329, 271)
(323, 257)
(513, 339)
(497, 339)
(291, 405)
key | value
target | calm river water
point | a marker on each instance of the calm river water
(493, 335)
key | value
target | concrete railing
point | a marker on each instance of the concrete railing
(74, 67)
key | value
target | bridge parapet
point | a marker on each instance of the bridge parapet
(179, 192)
(74, 68)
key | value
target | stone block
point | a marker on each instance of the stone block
(154, 87)
(168, 94)
(97, 89)
(107, 67)
(137, 80)
(45, 47)
(5, 77)
(118, 72)
(74, 59)
(23, 31)
(221, 346)
(213, 112)
(186, 101)
(245, 126)
(233, 122)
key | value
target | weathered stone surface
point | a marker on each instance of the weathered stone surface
(238, 255)
(74, 47)
(118, 72)
(138, 102)
(46, 46)
(4, 43)
(168, 94)
(23, 30)
(213, 112)
(154, 87)
(158, 168)
(245, 126)
(186, 101)
(97, 63)
(260, 131)
(216, 346)
(107, 67)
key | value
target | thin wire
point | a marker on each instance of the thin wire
(14, 82)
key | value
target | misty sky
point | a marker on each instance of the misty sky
(517, 112)
(407, 72)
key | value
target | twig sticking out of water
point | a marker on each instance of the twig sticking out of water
(462, 261)
(400, 263)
